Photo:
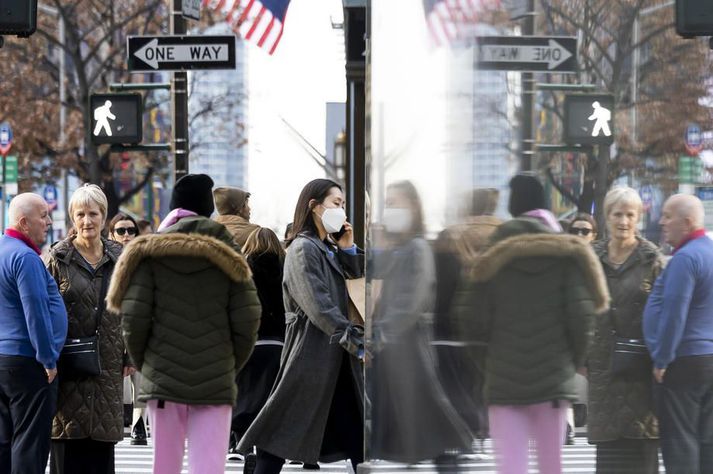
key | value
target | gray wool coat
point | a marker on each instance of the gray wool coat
(318, 335)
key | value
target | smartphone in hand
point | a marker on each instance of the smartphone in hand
(338, 235)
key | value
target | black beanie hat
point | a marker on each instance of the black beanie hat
(526, 194)
(194, 192)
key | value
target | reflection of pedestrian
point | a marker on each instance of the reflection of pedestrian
(457, 249)
(602, 117)
(679, 334)
(102, 115)
(411, 417)
(33, 327)
(532, 299)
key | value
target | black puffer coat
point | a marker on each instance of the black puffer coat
(89, 407)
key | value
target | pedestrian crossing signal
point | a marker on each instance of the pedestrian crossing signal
(694, 18)
(115, 118)
(589, 119)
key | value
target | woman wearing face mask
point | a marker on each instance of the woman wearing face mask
(315, 410)
(89, 419)
(621, 420)
(412, 419)
(123, 228)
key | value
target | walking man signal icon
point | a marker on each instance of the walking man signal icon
(102, 115)
(603, 117)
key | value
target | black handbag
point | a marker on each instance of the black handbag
(80, 356)
(630, 356)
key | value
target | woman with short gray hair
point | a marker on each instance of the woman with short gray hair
(621, 421)
(89, 419)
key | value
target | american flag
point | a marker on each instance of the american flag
(450, 21)
(259, 21)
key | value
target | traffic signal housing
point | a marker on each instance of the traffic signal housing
(694, 18)
(18, 17)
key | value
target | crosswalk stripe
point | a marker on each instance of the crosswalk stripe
(580, 458)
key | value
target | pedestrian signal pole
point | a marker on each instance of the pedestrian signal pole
(179, 100)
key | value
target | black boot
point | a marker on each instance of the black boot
(138, 433)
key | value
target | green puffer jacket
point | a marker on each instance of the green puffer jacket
(532, 298)
(190, 312)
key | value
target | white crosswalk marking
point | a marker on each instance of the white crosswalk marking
(579, 458)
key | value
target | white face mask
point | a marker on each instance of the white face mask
(397, 220)
(333, 219)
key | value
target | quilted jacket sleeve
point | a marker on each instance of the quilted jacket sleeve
(136, 310)
(244, 320)
(580, 313)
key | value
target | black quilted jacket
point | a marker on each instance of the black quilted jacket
(90, 407)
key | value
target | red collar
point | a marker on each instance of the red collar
(696, 234)
(10, 232)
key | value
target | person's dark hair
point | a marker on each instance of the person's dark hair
(143, 225)
(121, 217)
(317, 189)
(583, 216)
(288, 231)
(407, 187)
(526, 194)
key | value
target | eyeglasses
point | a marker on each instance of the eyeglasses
(580, 231)
(125, 230)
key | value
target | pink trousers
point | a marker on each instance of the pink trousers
(207, 428)
(513, 426)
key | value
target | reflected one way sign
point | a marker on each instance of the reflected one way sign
(180, 53)
(527, 53)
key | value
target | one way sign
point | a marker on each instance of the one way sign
(527, 53)
(180, 53)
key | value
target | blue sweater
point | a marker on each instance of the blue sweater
(678, 318)
(33, 319)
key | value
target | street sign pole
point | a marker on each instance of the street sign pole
(2, 192)
(528, 82)
(179, 101)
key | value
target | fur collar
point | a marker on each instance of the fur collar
(545, 245)
(176, 244)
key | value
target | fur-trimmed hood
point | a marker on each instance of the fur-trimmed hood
(507, 251)
(176, 244)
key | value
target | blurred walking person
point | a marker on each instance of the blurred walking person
(266, 257)
(123, 229)
(90, 412)
(678, 328)
(412, 419)
(532, 299)
(457, 249)
(316, 407)
(621, 421)
(33, 328)
(190, 316)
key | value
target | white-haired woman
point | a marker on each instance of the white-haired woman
(621, 420)
(89, 419)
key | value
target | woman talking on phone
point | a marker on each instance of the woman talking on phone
(314, 412)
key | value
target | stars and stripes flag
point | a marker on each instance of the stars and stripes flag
(259, 21)
(450, 21)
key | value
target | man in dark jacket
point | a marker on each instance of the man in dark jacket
(190, 318)
(33, 328)
(678, 329)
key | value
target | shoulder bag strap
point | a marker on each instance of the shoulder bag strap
(101, 304)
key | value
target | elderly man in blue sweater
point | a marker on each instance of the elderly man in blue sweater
(678, 328)
(33, 328)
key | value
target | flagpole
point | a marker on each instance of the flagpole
(179, 100)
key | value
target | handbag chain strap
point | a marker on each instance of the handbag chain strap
(101, 304)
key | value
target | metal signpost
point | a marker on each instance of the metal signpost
(180, 53)
(553, 54)
(5, 163)
(115, 118)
